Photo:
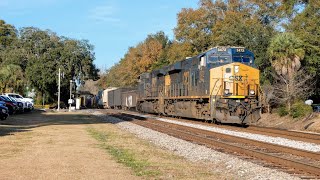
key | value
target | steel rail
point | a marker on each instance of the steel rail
(169, 128)
(302, 135)
(293, 135)
(293, 151)
(209, 142)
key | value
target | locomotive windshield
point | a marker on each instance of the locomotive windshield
(225, 55)
(219, 59)
(245, 59)
(242, 55)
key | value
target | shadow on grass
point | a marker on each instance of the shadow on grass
(11, 130)
(27, 121)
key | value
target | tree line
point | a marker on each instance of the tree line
(284, 35)
(30, 59)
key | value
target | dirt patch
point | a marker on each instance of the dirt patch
(310, 123)
(61, 146)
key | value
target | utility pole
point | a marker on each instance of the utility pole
(59, 90)
(70, 100)
(43, 100)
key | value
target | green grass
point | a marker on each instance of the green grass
(123, 156)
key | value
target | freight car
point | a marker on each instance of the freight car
(105, 97)
(129, 99)
(220, 85)
(118, 98)
(99, 100)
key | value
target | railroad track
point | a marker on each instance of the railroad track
(274, 132)
(300, 136)
(295, 161)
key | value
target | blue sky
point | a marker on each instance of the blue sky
(110, 25)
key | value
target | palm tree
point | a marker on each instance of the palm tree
(285, 53)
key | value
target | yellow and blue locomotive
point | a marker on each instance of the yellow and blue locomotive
(219, 85)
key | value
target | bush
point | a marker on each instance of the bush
(282, 111)
(55, 105)
(300, 109)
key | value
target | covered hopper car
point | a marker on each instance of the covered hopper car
(129, 99)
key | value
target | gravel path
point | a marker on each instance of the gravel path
(263, 138)
(220, 162)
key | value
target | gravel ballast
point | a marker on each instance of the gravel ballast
(258, 137)
(220, 162)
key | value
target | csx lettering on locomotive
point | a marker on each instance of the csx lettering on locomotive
(236, 78)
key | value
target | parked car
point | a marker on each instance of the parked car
(27, 102)
(4, 112)
(12, 106)
(316, 108)
(19, 103)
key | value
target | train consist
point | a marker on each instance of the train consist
(220, 85)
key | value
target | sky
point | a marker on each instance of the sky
(112, 26)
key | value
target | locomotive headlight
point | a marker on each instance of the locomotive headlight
(251, 92)
(236, 69)
(226, 76)
(226, 91)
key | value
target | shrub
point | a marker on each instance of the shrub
(300, 109)
(55, 105)
(282, 111)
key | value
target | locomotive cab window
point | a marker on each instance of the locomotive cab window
(245, 59)
(223, 59)
(219, 59)
(213, 59)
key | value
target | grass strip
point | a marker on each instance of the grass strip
(123, 156)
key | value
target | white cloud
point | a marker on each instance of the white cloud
(104, 13)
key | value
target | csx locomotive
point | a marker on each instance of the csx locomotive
(220, 85)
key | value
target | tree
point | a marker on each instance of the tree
(195, 25)
(290, 8)
(11, 78)
(8, 34)
(267, 96)
(31, 57)
(286, 52)
(46, 53)
(8, 40)
(285, 55)
(179, 51)
(42, 51)
(306, 26)
(288, 90)
(147, 55)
